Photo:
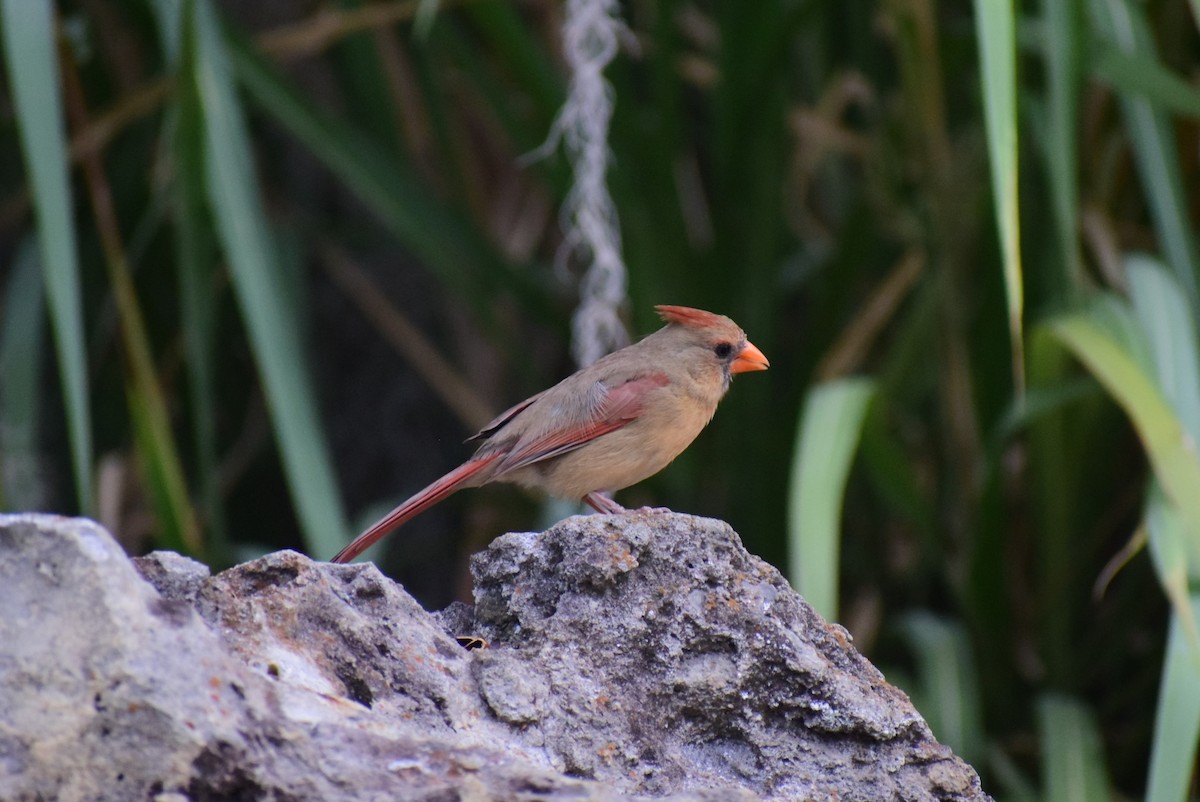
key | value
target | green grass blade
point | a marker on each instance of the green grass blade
(194, 262)
(1164, 315)
(1040, 402)
(29, 41)
(168, 15)
(274, 336)
(829, 430)
(359, 63)
(1055, 482)
(1177, 719)
(527, 132)
(995, 26)
(1161, 309)
(501, 25)
(151, 423)
(1095, 341)
(889, 470)
(446, 244)
(1010, 778)
(1122, 23)
(949, 689)
(159, 457)
(1072, 758)
(1062, 53)
(1144, 77)
(423, 21)
(1168, 551)
(1168, 322)
(21, 342)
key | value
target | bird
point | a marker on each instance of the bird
(605, 427)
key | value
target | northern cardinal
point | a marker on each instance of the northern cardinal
(605, 427)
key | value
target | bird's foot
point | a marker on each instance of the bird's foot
(602, 503)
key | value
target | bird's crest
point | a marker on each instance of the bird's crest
(686, 316)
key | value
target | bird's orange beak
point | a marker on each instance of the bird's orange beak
(749, 359)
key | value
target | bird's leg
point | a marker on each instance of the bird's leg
(602, 503)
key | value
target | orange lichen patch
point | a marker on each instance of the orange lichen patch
(840, 635)
(608, 752)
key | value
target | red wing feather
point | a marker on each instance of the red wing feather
(618, 408)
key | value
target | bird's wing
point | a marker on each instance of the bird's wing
(503, 418)
(609, 409)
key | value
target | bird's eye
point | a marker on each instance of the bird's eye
(722, 350)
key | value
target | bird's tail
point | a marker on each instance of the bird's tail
(421, 501)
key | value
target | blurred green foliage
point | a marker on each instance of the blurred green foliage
(291, 256)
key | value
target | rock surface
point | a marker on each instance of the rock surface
(642, 656)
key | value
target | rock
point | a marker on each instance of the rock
(642, 656)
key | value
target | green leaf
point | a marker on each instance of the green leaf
(1167, 321)
(1171, 449)
(1039, 402)
(423, 21)
(1177, 719)
(1010, 778)
(889, 469)
(446, 244)
(1168, 324)
(829, 430)
(1072, 757)
(1145, 77)
(994, 26)
(157, 454)
(194, 264)
(1168, 551)
(1057, 484)
(29, 47)
(21, 342)
(274, 336)
(948, 682)
(500, 24)
(1162, 310)
(1064, 23)
(1123, 24)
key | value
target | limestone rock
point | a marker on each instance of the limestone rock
(642, 656)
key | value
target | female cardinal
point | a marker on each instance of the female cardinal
(606, 427)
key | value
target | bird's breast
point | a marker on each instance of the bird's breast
(628, 455)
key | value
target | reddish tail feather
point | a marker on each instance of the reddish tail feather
(414, 506)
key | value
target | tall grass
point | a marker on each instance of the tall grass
(290, 256)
